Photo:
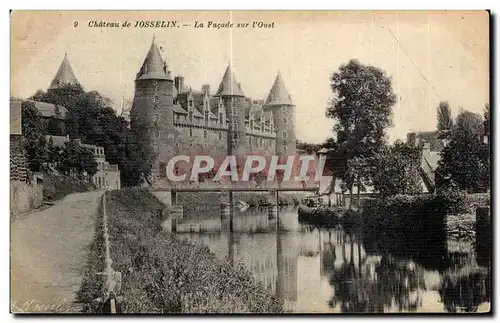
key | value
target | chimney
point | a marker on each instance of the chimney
(205, 88)
(179, 83)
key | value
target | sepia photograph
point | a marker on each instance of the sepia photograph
(250, 162)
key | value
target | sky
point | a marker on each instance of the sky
(431, 56)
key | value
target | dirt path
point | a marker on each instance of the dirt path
(49, 252)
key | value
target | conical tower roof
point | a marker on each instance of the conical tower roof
(154, 67)
(64, 75)
(229, 86)
(279, 94)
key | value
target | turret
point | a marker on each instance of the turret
(152, 116)
(64, 75)
(280, 104)
(233, 101)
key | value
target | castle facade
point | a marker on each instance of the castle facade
(176, 120)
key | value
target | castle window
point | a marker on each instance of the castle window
(284, 134)
(156, 98)
(190, 132)
(220, 135)
(205, 134)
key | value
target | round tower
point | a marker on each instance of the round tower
(234, 105)
(151, 116)
(280, 104)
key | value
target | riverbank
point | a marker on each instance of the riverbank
(329, 217)
(162, 274)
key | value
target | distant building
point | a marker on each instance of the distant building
(432, 144)
(107, 176)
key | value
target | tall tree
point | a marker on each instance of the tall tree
(34, 141)
(444, 118)
(464, 161)
(361, 106)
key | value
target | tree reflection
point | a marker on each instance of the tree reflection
(464, 289)
(376, 285)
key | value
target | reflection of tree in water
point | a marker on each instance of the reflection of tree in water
(462, 290)
(391, 282)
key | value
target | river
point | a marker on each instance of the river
(328, 271)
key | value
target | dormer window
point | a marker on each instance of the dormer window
(206, 116)
(191, 116)
(221, 118)
(190, 102)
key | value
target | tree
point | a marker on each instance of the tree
(444, 118)
(77, 158)
(92, 119)
(34, 141)
(361, 107)
(398, 170)
(465, 160)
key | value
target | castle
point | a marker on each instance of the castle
(176, 120)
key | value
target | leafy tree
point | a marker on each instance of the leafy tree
(91, 119)
(308, 147)
(78, 158)
(444, 118)
(465, 161)
(361, 107)
(66, 95)
(34, 140)
(398, 170)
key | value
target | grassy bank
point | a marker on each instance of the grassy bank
(162, 274)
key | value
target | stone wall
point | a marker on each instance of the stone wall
(17, 161)
(26, 196)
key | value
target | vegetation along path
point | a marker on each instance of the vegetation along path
(48, 254)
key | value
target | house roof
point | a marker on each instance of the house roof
(279, 94)
(15, 117)
(228, 85)
(64, 75)
(50, 110)
(433, 138)
(154, 67)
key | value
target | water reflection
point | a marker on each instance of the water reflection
(330, 271)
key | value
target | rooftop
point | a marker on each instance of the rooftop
(64, 75)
